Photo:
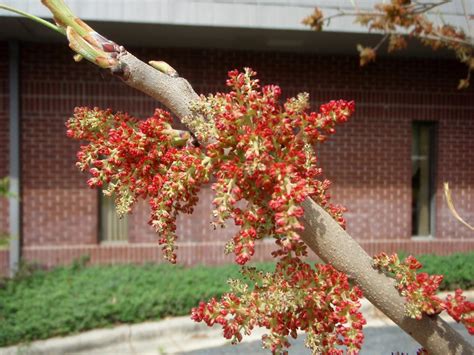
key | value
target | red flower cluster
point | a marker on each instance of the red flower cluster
(141, 159)
(461, 310)
(295, 297)
(264, 160)
(260, 153)
(419, 290)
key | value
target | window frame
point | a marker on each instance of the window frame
(101, 228)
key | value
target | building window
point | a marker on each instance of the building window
(112, 227)
(423, 184)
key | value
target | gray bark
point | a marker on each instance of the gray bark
(173, 92)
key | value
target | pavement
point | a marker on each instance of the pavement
(183, 336)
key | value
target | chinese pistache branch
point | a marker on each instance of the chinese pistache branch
(322, 233)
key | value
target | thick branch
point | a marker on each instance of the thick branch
(174, 92)
(330, 242)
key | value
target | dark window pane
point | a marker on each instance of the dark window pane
(422, 178)
(112, 228)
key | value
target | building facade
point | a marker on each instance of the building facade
(412, 131)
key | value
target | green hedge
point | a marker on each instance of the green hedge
(70, 299)
(42, 304)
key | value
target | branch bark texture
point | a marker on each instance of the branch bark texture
(173, 92)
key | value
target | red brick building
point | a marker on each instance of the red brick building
(412, 131)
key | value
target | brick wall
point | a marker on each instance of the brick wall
(368, 159)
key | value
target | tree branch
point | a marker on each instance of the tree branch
(174, 92)
(468, 41)
(322, 234)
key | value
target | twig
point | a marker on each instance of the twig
(384, 38)
(449, 201)
(466, 17)
(34, 18)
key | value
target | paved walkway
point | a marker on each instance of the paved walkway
(378, 341)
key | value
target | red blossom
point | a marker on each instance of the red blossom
(140, 159)
(295, 297)
(420, 290)
(461, 310)
(264, 157)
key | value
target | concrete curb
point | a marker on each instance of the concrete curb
(163, 334)
(101, 338)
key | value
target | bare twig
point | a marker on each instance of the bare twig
(425, 7)
(466, 18)
(384, 38)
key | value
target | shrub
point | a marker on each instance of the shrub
(457, 269)
(40, 304)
